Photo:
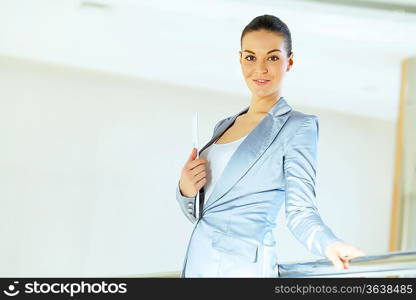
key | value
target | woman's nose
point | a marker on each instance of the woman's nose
(261, 68)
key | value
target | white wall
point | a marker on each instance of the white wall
(89, 164)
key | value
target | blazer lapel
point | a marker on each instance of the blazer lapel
(248, 152)
(224, 126)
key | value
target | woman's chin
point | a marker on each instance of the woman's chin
(260, 93)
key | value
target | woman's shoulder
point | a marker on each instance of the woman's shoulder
(297, 119)
(296, 122)
(296, 116)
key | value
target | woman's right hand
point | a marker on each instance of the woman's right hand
(193, 175)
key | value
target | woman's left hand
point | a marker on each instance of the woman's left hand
(340, 253)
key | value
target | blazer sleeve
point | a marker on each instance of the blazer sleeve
(302, 216)
(187, 204)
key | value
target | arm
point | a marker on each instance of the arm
(302, 216)
(187, 204)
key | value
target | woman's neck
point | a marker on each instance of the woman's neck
(261, 106)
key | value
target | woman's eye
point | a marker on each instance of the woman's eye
(274, 57)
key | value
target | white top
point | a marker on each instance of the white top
(217, 156)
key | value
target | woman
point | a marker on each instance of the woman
(262, 156)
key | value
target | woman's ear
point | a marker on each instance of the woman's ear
(239, 56)
(289, 62)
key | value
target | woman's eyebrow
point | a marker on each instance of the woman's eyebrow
(266, 53)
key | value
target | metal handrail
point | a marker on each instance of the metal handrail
(392, 264)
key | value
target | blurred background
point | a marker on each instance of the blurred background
(96, 106)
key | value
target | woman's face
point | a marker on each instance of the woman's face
(263, 56)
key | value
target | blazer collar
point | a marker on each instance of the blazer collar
(279, 108)
(249, 151)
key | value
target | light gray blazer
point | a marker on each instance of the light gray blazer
(275, 164)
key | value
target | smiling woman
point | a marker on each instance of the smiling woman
(266, 56)
(247, 182)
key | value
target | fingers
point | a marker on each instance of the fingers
(350, 253)
(346, 263)
(196, 163)
(201, 183)
(197, 170)
(191, 156)
(193, 174)
(193, 162)
(341, 253)
(199, 177)
(336, 261)
(197, 173)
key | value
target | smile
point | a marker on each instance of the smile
(261, 82)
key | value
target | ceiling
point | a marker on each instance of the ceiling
(346, 58)
(408, 6)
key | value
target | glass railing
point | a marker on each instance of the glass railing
(392, 264)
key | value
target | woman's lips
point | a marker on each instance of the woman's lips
(261, 83)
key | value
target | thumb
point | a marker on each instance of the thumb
(192, 156)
